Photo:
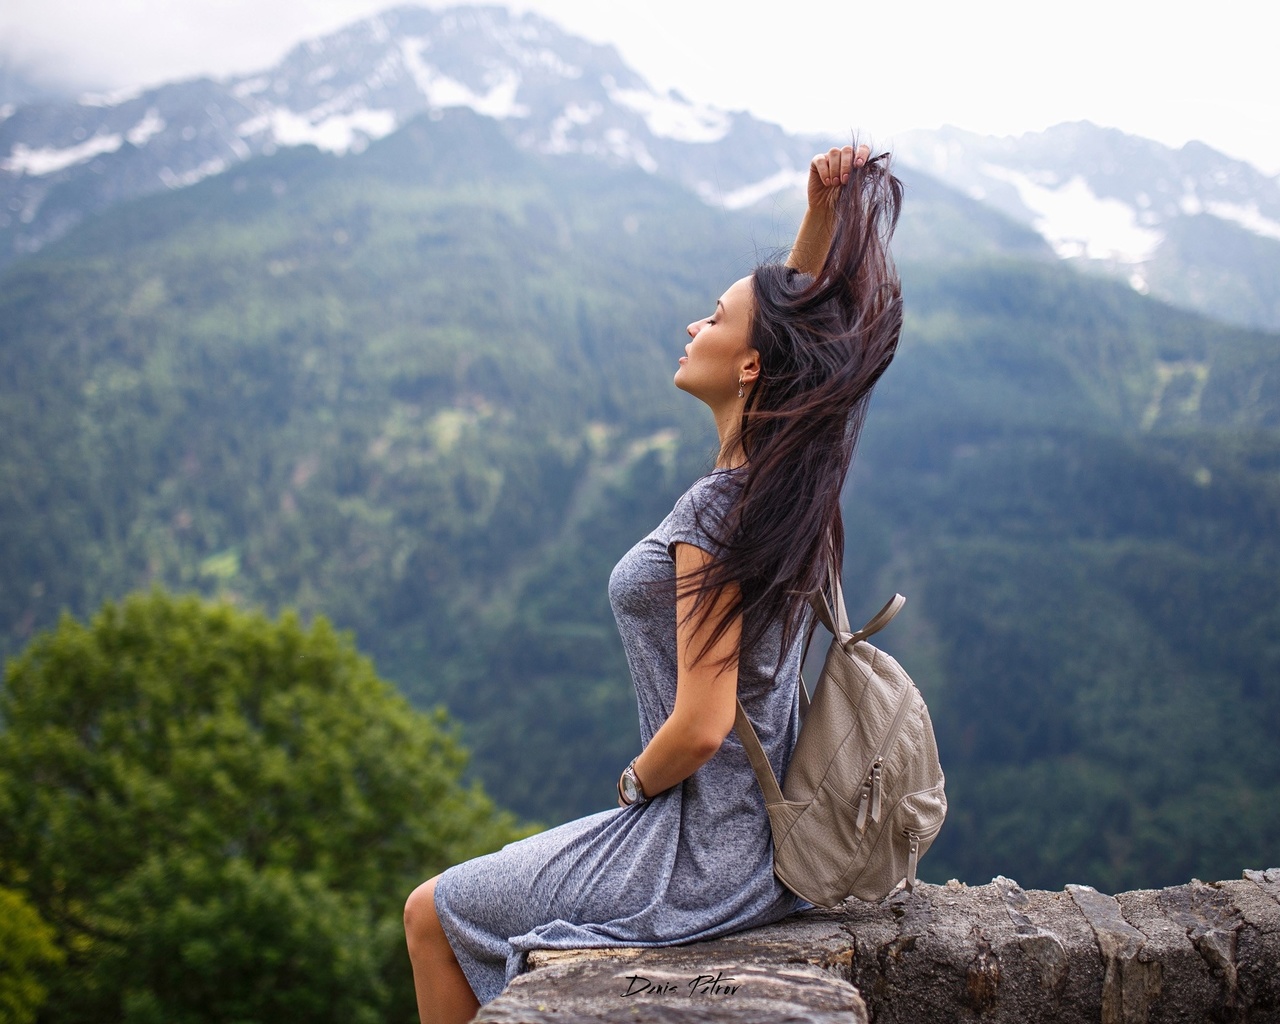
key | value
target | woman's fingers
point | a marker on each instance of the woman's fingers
(835, 166)
(819, 167)
(846, 163)
(826, 166)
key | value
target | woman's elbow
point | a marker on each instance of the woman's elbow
(706, 738)
(703, 725)
(705, 745)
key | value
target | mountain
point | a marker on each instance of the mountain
(425, 390)
(424, 393)
(422, 385)
(1190, 225)
(550, 92)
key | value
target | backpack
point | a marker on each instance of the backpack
(863, 795)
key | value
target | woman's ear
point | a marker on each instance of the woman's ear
(750, 368)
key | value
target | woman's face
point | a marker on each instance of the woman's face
(718, 354)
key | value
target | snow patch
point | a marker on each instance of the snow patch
(622, 145)
(548, 61)
(782, 181)
(1077, 222)
(1248, 217)
(110, 99)
(207, 169)
(250, 87)
(47, 160)
(574, 115)
(337, 133)
(442, 91)
(671, 116)
(151, 124)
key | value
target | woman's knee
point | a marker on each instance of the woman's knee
(420, 919)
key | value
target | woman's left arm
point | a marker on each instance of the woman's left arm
(706, 687)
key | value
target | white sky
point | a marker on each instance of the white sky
(1159, 68)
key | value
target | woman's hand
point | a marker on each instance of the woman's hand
(828, 171)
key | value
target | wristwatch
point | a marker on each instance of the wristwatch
(629, 789)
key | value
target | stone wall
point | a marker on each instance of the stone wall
(996, 953)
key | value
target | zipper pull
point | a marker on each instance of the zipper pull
(864, 800)
(913, 858)
(875, 790)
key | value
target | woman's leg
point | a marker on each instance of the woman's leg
(444, 995)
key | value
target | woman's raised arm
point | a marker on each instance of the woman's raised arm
(827, 173)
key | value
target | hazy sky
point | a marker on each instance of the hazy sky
(1165, 70)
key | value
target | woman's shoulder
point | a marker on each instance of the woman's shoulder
(699, 513)
(716, 489)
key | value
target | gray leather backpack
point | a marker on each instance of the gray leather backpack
(863, 795)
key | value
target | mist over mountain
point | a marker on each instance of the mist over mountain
(21, 83)
(418, 380)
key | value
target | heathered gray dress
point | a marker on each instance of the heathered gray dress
(693, 862)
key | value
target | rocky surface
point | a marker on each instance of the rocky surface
(1194, 952)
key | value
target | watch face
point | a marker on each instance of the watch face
(629, 790)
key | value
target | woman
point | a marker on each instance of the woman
(786, 363)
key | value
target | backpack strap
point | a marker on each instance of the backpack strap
(880, 619)
(756, 755)
(836, 618)
(833, 614)
(742, 724)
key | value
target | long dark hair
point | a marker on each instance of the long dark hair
(823, 342)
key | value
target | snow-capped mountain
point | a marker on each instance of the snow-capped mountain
(1190, 225)
(1175, 222)
(552, 92)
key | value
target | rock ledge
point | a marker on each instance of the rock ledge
(1194, 952)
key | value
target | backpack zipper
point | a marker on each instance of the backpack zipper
(913, 850)
(913, 858)
(869, 798)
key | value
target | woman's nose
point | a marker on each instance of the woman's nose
(693, 328)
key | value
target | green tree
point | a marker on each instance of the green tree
(220, 816)
(26, 951)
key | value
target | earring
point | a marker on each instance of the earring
(740, 383)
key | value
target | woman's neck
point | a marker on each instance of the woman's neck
(728, 426)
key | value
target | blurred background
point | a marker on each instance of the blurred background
(372, 314)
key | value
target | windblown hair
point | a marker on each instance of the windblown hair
(823, 342)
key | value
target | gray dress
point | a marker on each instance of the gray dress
(693, 862)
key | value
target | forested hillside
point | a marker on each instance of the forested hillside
(425, 390)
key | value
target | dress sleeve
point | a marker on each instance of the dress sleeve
(699, 515)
